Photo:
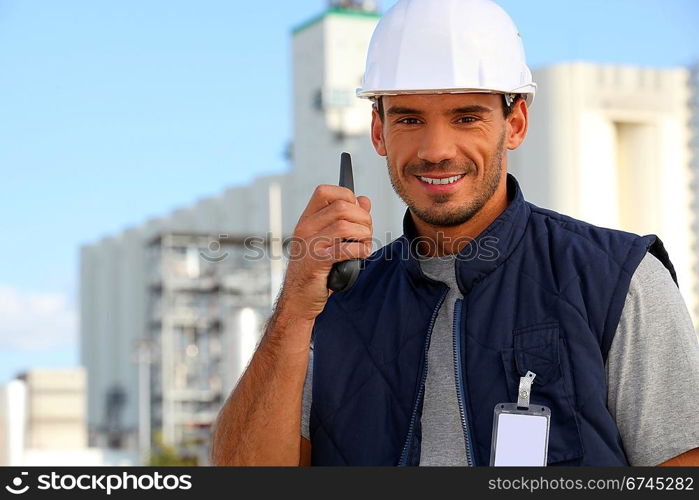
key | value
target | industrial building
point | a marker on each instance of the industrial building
(205, 312)
(43, 422)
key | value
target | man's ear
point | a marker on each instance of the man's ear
(377, 132)
(517, 123)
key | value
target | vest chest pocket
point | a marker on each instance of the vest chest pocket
(538, 348)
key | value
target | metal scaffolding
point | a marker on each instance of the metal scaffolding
(208, 300)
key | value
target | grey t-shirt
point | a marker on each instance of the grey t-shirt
(442, 433)
(652, 373)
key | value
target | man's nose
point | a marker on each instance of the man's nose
(436, 144)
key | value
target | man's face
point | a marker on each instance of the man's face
(429, 140)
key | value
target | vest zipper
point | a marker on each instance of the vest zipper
(458, 373)
(423, 376)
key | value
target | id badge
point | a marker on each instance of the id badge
(520, 430)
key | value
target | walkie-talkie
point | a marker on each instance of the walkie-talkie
(343, 274)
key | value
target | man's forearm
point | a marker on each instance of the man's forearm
(687, 459)
(261, 420)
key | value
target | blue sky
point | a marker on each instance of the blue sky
(112, 112)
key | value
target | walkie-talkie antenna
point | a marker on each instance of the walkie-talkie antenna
(346, 177)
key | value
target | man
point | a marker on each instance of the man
(408, 365)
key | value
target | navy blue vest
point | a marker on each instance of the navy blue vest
(542, 292)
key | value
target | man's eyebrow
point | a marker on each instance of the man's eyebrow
(399, 110)
(476, 108)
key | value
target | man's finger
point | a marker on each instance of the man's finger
(324, 195)
(364, 202)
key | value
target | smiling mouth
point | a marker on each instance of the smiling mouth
(440, 181)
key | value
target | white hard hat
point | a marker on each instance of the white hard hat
(446, 46)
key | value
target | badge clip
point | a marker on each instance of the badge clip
(520, 430)
(525, 390)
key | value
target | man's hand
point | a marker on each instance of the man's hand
(335, 226)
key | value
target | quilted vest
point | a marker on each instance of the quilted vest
(542, 292)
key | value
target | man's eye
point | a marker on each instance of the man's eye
(467, 119)
(408, 121)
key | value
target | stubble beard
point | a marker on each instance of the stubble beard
(438, 215)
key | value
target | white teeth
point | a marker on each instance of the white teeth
(447, 180)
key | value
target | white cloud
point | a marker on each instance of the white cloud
(34, 321)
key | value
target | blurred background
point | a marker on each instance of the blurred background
(154, 155)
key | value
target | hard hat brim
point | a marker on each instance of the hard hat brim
(528, 91)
